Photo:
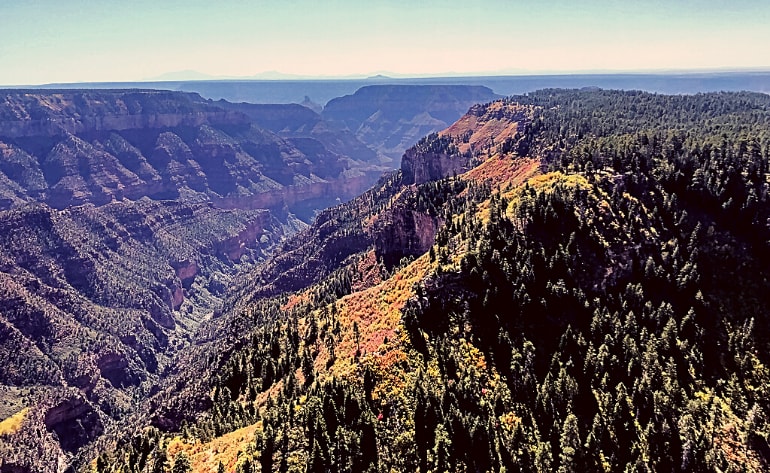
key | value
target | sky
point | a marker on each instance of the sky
(47, 41)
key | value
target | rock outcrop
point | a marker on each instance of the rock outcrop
(75, 147)
(404, 232)
(391, 118)
(25, 114)
(485, 130)
(75, 422)
(419, 167)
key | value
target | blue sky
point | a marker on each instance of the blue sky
(43, 41)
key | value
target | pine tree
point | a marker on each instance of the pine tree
(161, 461)
(570, 445)
(181, 463)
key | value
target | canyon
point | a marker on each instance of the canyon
(127, 218)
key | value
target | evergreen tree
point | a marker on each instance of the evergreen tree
(181, 463)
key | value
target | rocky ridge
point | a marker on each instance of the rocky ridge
(72, 147)
(402, 227)
(391, 118)
(97, 301)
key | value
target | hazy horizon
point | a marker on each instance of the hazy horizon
(277, 76)
(193, 75)
(88, 41)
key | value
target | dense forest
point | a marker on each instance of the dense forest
(603, 310)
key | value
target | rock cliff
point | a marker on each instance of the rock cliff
(60, 113)
(391, 118)
(74, 147)
(460, 147)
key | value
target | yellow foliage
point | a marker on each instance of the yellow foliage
(225, 449)
(473, 359)
(510, 421)
(376, 312)
(176, 445)
(12, 424)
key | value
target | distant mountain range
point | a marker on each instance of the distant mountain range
(189, 74)
(278, 89)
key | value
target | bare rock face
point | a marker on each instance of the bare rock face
(75, 147)
(177, 297)
(114, 367)
(163, 316)
(420, 167)
(235, 246)
(75, 422)
(390, 118)
(403, 232)
(61, 113)
(185, 270)
(79, 173)
(299, 122)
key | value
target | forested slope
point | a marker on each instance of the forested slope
(124, 217)
(594, 297)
